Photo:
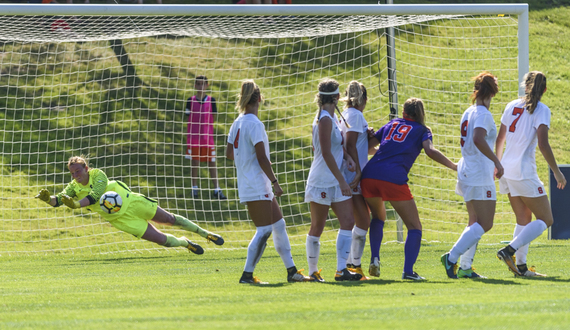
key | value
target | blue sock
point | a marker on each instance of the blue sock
(376, 234)
(412, 249)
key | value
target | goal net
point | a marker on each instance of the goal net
(115, 88)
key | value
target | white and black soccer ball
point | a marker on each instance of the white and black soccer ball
(111, 202)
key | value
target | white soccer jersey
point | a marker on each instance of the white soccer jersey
(474, 168)
(358, 124)
(320, 175)
(519, 156)
(247, 131)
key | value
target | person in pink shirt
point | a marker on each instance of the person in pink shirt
(201, 111)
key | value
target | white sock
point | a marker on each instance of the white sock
(528, 234)
(281, 242)
(466, 260)
(313, 247)
(523, 250)
(357, 247)
(256, 247)
(470, 236)
(343, 243)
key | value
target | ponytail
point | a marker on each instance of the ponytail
(414, 109)
(485, 86)
(355, 95)
(250, 94)
(535, 84)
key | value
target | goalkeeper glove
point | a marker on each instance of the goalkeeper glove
(44, 196)
(69, 202)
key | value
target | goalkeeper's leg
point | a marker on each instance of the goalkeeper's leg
(165, 217)
(154, 235)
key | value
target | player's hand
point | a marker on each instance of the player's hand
(454, 167)
(44, 196)
(69, 202)
(499, 170)
(277, 189)
(371, 132)
(356, 180)
(350, 164)
(345, 188)
(560, 179)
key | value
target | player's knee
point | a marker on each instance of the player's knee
(487, 226)
(548, 221)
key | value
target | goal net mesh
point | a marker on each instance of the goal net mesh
(115, 88)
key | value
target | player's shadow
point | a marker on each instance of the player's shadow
(496, 281)
(547, 279)
(133, 260)
(359, 283)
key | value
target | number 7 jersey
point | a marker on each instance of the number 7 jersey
(519, 156)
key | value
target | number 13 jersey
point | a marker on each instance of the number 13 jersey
(519, 156)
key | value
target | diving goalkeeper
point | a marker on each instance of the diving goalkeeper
(89, 184)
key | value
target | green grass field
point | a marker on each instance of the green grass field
(178, 290)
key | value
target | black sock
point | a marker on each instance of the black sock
(510, 250)
(522, 268)
(292, 270)
(246, 275)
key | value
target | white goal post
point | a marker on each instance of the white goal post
(112, 81)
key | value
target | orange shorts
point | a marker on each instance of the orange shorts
(388, 191)
(203, 154)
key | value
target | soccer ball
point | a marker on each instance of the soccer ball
(111, 202)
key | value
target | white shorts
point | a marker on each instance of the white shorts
(264, 197)
(478, 193)
(357, 190)
(526, 188)
(325, 196)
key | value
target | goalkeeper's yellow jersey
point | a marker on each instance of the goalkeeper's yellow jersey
(97, 186)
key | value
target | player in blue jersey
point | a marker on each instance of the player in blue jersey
(385, 176)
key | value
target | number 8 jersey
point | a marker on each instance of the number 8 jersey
(474, 168)
(519, 156)
(401, 141)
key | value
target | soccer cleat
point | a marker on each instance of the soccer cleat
(528, 272)
(217, 239)
(251, 280)
(193, 247)
(505, 257)
(468, 273)
(374, 269)
(414, 276)
(346, 275)
(358, 270)
(316, 277)
(298, 277)
(218, 194)
(450, 268)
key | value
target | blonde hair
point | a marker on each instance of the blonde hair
(414, 109)
(328, 85)
(534, 83)
(355, 95)
(81, 160)
(485, 86)
(250, 94)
